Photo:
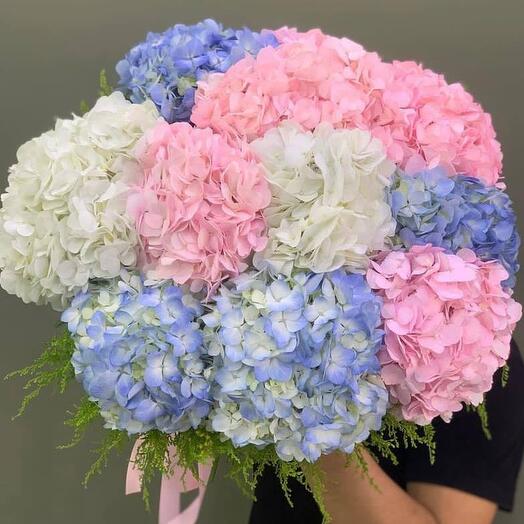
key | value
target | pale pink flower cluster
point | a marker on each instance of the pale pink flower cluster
(448, 325)
(312, 78)
(198, 208)
(435, 123)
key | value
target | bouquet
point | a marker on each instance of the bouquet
(265, 247)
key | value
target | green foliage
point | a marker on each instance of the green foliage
(482, 412)
(52, 368)
(504, 376)
(86, 413)
(153, 457)
(104, 87)
(244, 465)
(357, 459)
(84, 107)
(314, 481)
(395, 433)
(114, 440)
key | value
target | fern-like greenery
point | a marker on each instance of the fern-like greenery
(504, 376)
(84, 107)
(79, 420)
(52, 368)
(482, 412)
(396, 433)
(244, 465)
(114, 440)
(153, 457)
(104, 88)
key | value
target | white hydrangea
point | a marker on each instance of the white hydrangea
(63, 218)
(329, 204)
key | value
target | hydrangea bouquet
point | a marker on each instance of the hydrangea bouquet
(266, 246)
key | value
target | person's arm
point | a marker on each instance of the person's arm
(350, 498)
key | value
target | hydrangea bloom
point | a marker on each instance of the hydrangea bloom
(63, 219)
(436, 123)
(167, 66)
(198, 207)
(209, 228)
(296, 362)
(448, 325)
(139, 354)
(454, 213)
(328, 207)
(313, 78)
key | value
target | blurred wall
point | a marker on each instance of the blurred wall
(50, 56)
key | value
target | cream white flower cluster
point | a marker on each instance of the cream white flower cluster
(328, 205)
(63, 218)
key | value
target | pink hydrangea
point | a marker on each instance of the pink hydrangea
(435, 123)
(448, 325)
(198, 208)
(313, 78)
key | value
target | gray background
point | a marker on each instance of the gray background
(50, 54)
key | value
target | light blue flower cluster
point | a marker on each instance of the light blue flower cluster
(139, 354)
(456, 212)
(295, 362)
(167, 66)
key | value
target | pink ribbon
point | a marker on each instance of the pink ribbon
(171, 489)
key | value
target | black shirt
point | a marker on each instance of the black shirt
(465, 458)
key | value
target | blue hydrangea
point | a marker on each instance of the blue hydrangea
(139, 354)
(167, 66)
(295, 362)
(456, 212)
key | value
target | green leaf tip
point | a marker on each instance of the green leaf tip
(105, 88)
